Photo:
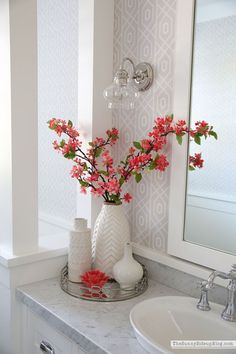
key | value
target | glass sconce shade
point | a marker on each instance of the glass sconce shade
(119, 95)
(125, 89)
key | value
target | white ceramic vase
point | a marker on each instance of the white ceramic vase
(80, 250)
(111, 233)
(127, 272)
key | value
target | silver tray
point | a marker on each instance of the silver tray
(111, 291)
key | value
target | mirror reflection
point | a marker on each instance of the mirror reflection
(210, 216)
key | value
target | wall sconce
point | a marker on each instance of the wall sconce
(125, 89)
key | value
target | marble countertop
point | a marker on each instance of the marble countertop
(99, 328)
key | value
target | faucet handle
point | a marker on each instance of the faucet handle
(204, 285)
(233, 271)
(203, 303)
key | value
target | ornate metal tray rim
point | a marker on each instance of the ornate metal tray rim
(111, 291)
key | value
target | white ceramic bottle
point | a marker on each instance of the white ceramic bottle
(127, 271)
(80, 250)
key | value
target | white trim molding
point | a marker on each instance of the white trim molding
(177, 246)
(19, 121)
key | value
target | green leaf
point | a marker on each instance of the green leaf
(197, 139)
(137, 145)
(105, 173)
(179, 138)
(52, 127)
(70, 155)
(98, 152)
(83, 183)
(191, 168)
(115, 198)
(70, 123)
(152, 165)
(138, 177)
(62, 143)
(121, 180)
(213, 134)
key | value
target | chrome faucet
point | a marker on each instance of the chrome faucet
(229, 313)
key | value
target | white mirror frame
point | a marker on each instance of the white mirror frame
(183, 67)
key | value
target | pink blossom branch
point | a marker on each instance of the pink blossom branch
(145, 154)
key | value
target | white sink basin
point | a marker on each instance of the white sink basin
(158, 321)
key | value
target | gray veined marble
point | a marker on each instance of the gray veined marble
(99, 328)
(181, 281)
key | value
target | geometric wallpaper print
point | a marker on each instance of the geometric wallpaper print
(57, 97)
(144, 31)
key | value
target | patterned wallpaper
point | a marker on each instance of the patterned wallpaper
(144, 31)
(58, 96)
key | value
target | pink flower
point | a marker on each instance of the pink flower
(52, 123)
(146, 144)
(127, 197)
(163, 124)
(158, 143)
(110, 170)
(94, 278)
(106, 158)
(83, 190)
(77, 171)
(98, 142)
(138, 162)
(132, 150)
(93, 177)
(144, 155)
(113, 134)
(72, 132)
(58, 130)
(60, 126)
(161, 163)
(196, 160)
(180, 127)
(113, 186)
(202, 127)
(97, 192)
(56, 146)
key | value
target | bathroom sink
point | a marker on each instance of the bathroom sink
(159, 320)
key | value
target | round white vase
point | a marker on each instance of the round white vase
(80, 251)
(127, 272)
(111, 233)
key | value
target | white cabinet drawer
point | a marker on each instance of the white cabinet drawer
(37, 331)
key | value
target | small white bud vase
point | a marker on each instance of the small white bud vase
(80, 250)
(111, 233)
(127, 272)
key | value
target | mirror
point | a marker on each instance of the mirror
(209, 94)
(210, 214)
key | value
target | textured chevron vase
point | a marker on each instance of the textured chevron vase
(111, 233)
